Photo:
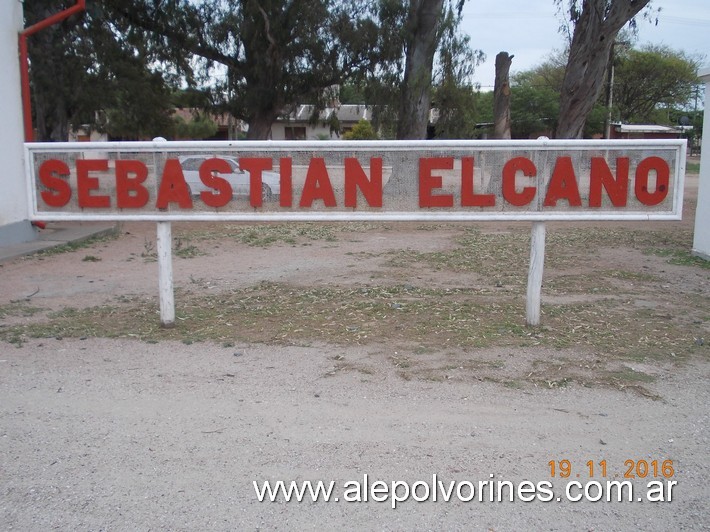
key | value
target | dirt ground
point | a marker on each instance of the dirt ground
(330, 352)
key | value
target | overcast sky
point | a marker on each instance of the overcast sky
(528, 29)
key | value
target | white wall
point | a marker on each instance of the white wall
(14, 226)
(701, 238)
(278, 131)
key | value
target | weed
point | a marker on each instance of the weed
(183, 249)
(149, 253)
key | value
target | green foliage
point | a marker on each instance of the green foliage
(651, 85)
(457, 111)
(85, 66)
(454, 62)
(361, 131)
(484, 106)
(259, 57)
(351, 93)
(140, 108)
(191, 98)
(200, 127)
(534, 111)
(454, 95)
(651, 78)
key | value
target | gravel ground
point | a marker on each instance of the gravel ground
(122, 435)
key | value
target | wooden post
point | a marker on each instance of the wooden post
(537, 266)
(165, 275)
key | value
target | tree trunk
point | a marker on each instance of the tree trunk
(501, 97)
(594, 32)
(260, 124)
(422, 25)
(60, 129)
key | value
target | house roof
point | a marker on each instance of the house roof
(344, 112)
(645, 128)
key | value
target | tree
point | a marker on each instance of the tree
(596, 25)
(652, 77)
(82, 71)
(269, 54)
(400, 84)
(454, 94)
(534, 110)
(422, 24)
(535, 101)
(456, 110)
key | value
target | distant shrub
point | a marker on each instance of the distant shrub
(361, 131)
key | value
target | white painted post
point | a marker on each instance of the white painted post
(165, 275)
(165, 260)
(701, 236)
(537, 266)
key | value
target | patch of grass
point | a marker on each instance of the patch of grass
(425, 319)
(270, 234)
(185, 250)
(502, 258)
(692, 168)
(493, 255)
(19, 308)
(680, 257)
(91, 258)
(628, 375)
(76, 245)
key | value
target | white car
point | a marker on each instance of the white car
(238, 178)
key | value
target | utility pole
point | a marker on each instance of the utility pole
(610, 87)
(609, 93)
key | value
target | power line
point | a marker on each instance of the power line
(684, 21)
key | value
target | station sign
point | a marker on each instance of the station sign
(355, 180)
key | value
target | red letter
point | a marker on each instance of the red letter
(285, 183)
(617, 189)
(130, 193)
(428, 182)
(511, 168)
(355, 178)
(468, 197)
(53, 174)
(317, 185)
(659, 166)
(173, 188)
(208, 171)
(85, 183)
(563, 184)
(255, 165)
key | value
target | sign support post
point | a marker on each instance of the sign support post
(165, 275)
(535, 271)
